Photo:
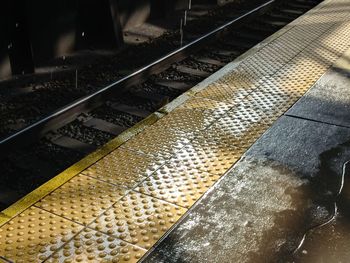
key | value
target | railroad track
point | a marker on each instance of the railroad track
(49, 145)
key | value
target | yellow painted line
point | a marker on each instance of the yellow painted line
(73, 170)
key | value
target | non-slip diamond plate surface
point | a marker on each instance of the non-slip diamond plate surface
(123, 167)
(178, 184)
(82, 199)
(139, 219)
(93, 246)
(34, 235)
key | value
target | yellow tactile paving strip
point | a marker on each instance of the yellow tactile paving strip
(178, 183)
(195, 114)
(93, 246)
(34, 235)
(138, 219)
(115, 168)
(120, 201)
(158, 141)
(82, 199)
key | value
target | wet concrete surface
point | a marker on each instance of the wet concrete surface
(330, 243)
(327, 244)
(258, 212)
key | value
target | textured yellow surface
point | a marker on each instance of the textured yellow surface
(124, 199)
(178, 184)
(158, 141)
(123, 167)
(93, 246)
(196, 114)
(82, 199)
(34, 235)
(139, 219)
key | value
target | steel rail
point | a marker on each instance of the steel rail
(69, 112)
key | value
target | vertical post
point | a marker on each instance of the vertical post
(118, 30)
(19, 48)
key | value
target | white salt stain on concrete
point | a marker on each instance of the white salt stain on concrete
(241, 211)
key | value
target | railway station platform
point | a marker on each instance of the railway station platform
(235, 170)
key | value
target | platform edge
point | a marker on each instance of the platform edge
(51, 185)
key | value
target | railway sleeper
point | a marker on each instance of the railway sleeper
(100, 124)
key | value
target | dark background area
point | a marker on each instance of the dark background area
(35, 32)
